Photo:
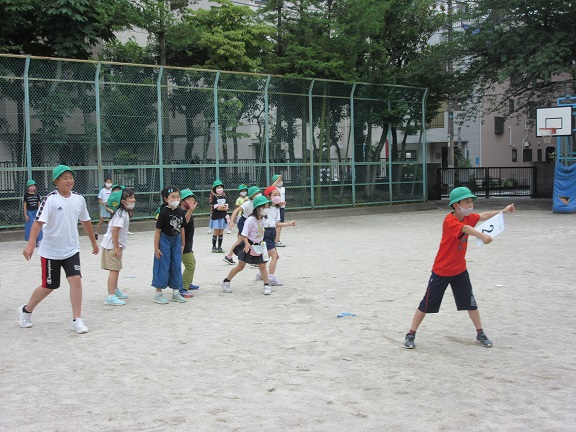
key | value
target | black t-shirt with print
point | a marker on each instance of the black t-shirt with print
(170, 221)
(218, 199)
(31, 200)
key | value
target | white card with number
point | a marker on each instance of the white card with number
(492, 227)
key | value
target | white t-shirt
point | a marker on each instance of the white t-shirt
(253, 229)
(282, 195)
(104, 195)
(60, 216)
(121, 219)
(272, 218)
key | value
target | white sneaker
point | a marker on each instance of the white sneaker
(258, 277)
(273, 281)
(228, 231)
(130, 233)
(209, 230)
(226, 287)
(25, 318)
(267, 290)
(78, 326)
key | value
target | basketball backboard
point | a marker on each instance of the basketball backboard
(558, 118)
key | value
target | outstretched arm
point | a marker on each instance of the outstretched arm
(487, 215)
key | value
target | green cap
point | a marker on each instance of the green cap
(185, 193)
(217, 183)
(253, 190)
(116, 185)
(275, 177)
(30, 183)
(242, 187)
(61, 169)
(260, 201)
(460, 193)
(114, 200)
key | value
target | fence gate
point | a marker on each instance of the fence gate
(490, 181)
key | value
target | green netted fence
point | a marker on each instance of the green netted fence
(335, 143)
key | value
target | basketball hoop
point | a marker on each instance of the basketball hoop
(547, 134)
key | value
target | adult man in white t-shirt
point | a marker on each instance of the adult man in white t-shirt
(58, 217)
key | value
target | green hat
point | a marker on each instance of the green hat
(260, 201)
(114, 200)
(275, 177)
(185, 193)
(242, 187)
(253, 190)
(116, 185)
(30, 183)
(460, 193)
(217, 183)
(61, 169)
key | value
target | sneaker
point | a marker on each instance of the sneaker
(214, 250)
(78, 326)
(113, 300)
(96, 236)
(130, 233)
(194, 287)
(253, 265)
(274, 282)
(226, 287)
(186, 294)
(220, 250)
(267, 290)
(25, 318)
(228, 260)
(258, 277)
(483, 340)
(409, 341)
(120, 294)
(177, 297)
(160, 299)
(228, 231)
(209, 230)
(280, 244)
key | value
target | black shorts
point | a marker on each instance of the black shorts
(270, 238)
(461, 288)
(248, 258)
(51, 270)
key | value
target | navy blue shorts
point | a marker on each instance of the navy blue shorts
(461, 288)
(270, 238)
(241, 221)
(282, 213)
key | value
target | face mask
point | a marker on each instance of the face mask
(243, 193)
(275, 199)
(108, 185)
(129, 206)
(465, 212)
(174, 204)
(264, 212)
(186, 205)
(219, 190)
(279, 184)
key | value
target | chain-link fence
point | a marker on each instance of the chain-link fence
(335, 143)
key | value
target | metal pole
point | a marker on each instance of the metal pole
(424, 148)
(310, 143)
(160, 129)
(353, 158)
(27, 117)
(450, 105)
(216, 130)
(266, 125)
(99, 172)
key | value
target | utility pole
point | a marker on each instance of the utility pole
(450, 125)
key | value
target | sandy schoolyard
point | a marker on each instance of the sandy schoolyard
(287, 362)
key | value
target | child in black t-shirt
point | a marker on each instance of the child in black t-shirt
(219, 204)
(31, 202)
(188, 205)
(168, 246)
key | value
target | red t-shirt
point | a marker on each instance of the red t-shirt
(450, 259)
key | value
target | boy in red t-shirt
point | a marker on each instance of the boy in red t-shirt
(450, 264)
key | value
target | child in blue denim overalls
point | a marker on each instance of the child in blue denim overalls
(168, 246)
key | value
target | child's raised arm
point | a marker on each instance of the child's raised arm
(487, 215)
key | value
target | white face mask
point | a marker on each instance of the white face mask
(264, 212)
(219, 190)
(243, 193)
(108, 185)
(275, 199)
(174, 204)
(129, 206)
(465, 212)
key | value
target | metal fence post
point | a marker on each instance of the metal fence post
(424, 148)
(487, 182)
(266, 126)
(160, 129)
(99, 172)
(216, 130)
(390, 166)
(311, 142)
(27, 116)
(353, 156)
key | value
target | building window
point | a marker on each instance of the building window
(511, 106)
(539, 155)
(499, 125)
(514, 155)
(527, 155)
(549, 152)
(437, 122)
